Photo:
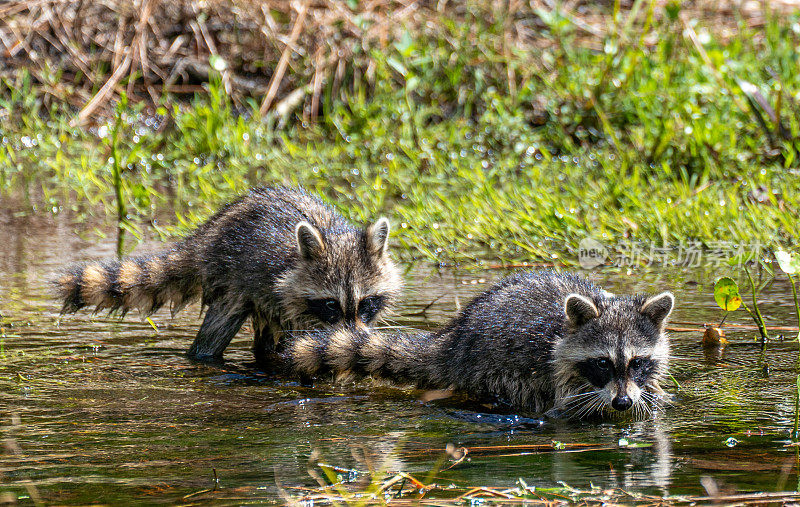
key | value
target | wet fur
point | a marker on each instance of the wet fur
(515, 342)
(250, 260)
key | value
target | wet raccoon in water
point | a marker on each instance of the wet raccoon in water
(542, 341)
(276, 255)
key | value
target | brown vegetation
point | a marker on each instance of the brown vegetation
(280, 52)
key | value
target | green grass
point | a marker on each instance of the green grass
(643, 136)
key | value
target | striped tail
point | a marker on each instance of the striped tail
(398, 356)
(145, 282)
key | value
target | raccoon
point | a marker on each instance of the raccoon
(542, 341)
(278, 256)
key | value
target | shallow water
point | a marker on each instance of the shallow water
(97, 409)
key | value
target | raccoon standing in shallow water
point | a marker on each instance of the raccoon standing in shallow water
(541, 341)
(276, 255)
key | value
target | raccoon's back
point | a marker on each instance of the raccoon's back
(525, 302)
(511, 329)
(251, 241)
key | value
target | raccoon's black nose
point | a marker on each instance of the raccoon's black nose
(621, 403)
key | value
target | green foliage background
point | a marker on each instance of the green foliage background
(668, 132)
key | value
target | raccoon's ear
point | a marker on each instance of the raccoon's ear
(580, 309)
(378, 236)
(658, 308)
(310, 244)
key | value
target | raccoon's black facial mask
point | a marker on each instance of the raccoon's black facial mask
(599, 371)
(370, 307)
(640, 369)
(328, 310)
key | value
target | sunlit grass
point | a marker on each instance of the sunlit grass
(658, 137)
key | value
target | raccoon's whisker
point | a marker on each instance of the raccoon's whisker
(580, 395)
(649, 396)
(590, 407)
(649, 407)
(601, 404)
(580, 400)
(595, 407)
(662, 400)
(584, 409)
(640, 409)
(575, 406)
(653, 399)
(649, 402)
(644, 398)
(593, 404)
(572, 407)
(583, 391)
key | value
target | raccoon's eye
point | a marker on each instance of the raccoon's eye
(598, 371)
(603, 364)
(636, 363)
(370, 307)
(327, 310)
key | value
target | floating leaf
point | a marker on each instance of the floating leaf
(726, 294)
(714, 337)
(788, 262)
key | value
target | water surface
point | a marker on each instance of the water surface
(97, 409)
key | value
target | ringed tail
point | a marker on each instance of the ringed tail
(397, 355)
(143, 282)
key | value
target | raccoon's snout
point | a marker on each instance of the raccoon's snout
(622, 402)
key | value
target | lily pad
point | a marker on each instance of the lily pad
(726, 294)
